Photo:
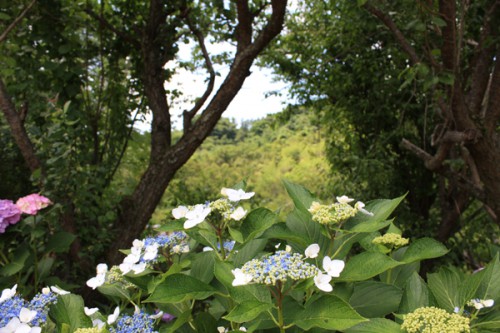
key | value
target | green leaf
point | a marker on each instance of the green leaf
(489, 287)
(177, 323)
(424, 248)
(376, 325)
(381, 210)
(366, 265)
(328, 312)
(370, 226)
(416, 294)
(361, 2)
(176, 225)
(257, 221)
(179, 287)
(68, 310)
(114, 291)
(249, 251)
(445, 285)
(205, 323)
(490, 321)
(375, 299)
(202, 266)
(247, 311)
(60, 242)
(300, 196)
(21, 254)
(280, 231)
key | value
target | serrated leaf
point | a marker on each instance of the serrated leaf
(68, 310)
(444, 285)
(180, 287)
(373, 299)
(328, 312)
(376, 325)
(415, 294)
(424, 248)
(301, 197)
(257, 221)
(366, 265)
(247, 311)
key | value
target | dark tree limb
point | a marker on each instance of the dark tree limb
(122, 34)
(492, 112)
(18, 131)
(16, 21)
(400, 38)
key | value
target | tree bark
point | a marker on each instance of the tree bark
(166, 159)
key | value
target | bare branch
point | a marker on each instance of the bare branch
(447, 10)
(188, 115)
(401, 39)
(472, 167)
(492, 115)
(11, 26)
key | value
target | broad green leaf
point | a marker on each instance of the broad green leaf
(68, 310)
(257, 221)
(21, 254)
(424, 248)
(205, 323)
(60, 242)
(416, 294)
(445, 286)
(469, 287)
(177, 323)
(249, 251)
(114, 291)
(301, 196)
(370, 226)
(399, 275)
(205, 237)
(381, 210)
(179, 287)
(366, 265)
(490, 321)
(328, 312)
(300, 223)
(247, 311)
(280, 231)
(45, 266)
(176, 225)
(375, 299)
(376, 325)
(489, 287)
(202, 266)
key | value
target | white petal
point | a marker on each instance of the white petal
(322, 281)
(36, 329)
(96, 281)
(236, 195)
(90, 311)
(8, 293)
(46, 290)
(150, 252)
(59, 291)
(221, 329)
(180, 212)
(139, 268)
(157, 315)
(132, 258)
(312, 251)
(125, 267)
(241, 278)
(113, 317)
(488, 303)
(333, 267)
(26, 315)
(97, 323)
(102, 268)
(238, 214)
(344, 199)
(137, 243)
(207, 249)
(23, 328)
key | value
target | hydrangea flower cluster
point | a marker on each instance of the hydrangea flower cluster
(336, 213)
(435, 320)
(10, 213)
(280, 266)
(138, 322)
(391, 240)
(145, 252)
(228, 246)
(18, 314)
(197, 214)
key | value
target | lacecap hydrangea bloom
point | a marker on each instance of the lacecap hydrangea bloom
(270, 269)
(336, 213)
(434, 320)
(138, 322)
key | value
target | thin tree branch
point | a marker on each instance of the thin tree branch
(124, 35)
(188, 115)
(18, 19)
(401, 39)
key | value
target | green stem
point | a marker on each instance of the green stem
(279, 303)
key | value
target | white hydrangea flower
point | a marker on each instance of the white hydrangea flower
(96, 281)
(90, 311)
(240, 278)
(180, 212)
(312, 251)
(236, 195)
(102, 269)
(21, 324)
(8, 293)
(196, 215)
(361, 207)
(333, 267)
(481, 303)
(59, 291)
(238, 214)
(150, 252)
(322, 281)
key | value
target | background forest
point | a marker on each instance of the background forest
(389, 100)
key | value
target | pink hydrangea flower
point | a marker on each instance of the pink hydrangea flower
(32, 203)
(9, 214)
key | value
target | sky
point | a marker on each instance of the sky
(252, 101)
